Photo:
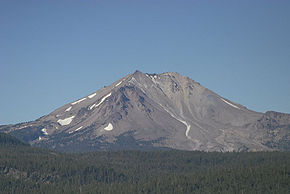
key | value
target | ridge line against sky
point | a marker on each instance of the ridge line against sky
(54, 52)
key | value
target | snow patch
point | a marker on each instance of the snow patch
(24, 126)
(39, 138)
(76, 102)
(109, 127)
(132, 80)
(79, 128)
(153, 79)
(103, 99)
(92, 95)
(230, 104)
(118, 84)
(75, 130)
(44, 131)
(66, 121)
(68, 109)
(91, 107)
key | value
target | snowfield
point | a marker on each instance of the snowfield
(109, 127)
(65, 121)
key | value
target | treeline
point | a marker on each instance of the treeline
(8, 140)
(24, 169)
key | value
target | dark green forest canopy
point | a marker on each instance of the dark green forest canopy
(8, 140)
(24, 169)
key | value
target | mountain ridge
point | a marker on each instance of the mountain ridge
(152, 111)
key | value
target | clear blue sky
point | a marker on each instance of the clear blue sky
(54, 52)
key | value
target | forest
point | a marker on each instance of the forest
(26, 169)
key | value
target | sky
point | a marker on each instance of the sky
(57, 51)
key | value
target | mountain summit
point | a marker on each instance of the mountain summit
(154, 111)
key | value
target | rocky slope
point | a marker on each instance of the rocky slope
(149, 111)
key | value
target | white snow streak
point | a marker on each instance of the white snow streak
(66, 121)
(79, 128)
(68, 109)
(92, 95)
(44, 131)
(187, 128)
(109, 127)
(230, 103)
(184, 122)
(103, 99)
(91, 107)
(76, 130)
(118, 84)
(76, 102)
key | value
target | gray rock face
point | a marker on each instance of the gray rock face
(154, 111)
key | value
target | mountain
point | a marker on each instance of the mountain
(155, 111)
